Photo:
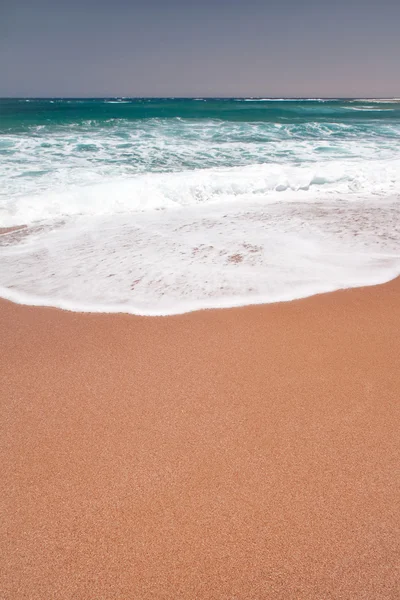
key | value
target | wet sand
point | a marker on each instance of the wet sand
(4, 230)
(237, 454)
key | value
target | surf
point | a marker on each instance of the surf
(165, 214)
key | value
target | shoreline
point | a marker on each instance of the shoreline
(35, 302)
(249, 452)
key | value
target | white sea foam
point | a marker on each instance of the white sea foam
(377, 100)
(206, 256)
(368, 108)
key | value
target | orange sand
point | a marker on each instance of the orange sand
(237, 454)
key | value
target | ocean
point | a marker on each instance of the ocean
(163, 206)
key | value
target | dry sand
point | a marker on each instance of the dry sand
(237, 454)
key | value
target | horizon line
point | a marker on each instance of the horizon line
(199, 98)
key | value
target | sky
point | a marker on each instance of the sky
(201, 48)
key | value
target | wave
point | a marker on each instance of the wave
(45, 163)
(283, 100)
(267, 183)
(368, 108)
(377, 100)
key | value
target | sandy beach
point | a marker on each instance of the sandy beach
(236, 454)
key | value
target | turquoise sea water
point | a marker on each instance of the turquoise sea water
(158, 206)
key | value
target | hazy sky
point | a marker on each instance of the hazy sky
(201, 48)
